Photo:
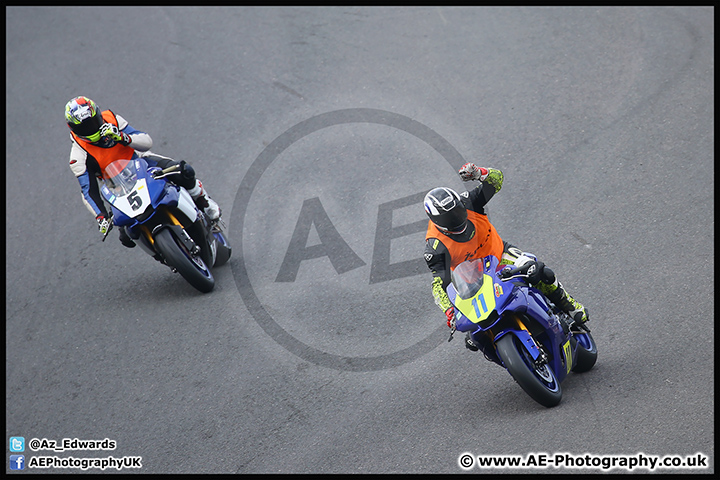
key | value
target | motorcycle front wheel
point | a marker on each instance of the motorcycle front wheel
(191, 267)
(538, 381)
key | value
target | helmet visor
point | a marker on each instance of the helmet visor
(453, 222)
(454, 231)
(88, 129)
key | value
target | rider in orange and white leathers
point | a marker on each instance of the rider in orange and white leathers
(100, 137)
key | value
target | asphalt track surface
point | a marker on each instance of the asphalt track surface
(318, 130)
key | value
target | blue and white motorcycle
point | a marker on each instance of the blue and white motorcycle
(163, 219)
(518, 328)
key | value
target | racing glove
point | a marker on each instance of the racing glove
(103, 224)
(186, 170)
(450, 314)
(535, 273)
(470, 171)
(111, 131)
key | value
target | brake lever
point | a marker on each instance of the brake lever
(171, 170)
(519, 272)
(512, 275)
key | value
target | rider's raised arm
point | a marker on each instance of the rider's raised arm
(490, 184)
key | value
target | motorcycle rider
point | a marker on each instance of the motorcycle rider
(459, 230)
(101, 137)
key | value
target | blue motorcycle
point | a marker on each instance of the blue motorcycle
(518, 328)
(163, 219)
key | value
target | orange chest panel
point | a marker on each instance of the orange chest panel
(486, 241)
(105, 156)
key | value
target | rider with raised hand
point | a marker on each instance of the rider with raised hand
(101, 137)
(460, 230)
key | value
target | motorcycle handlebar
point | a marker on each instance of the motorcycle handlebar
(516, 272)
(173, 169)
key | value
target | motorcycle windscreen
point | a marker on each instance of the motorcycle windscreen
(121, 176)
(476, 291)
(468, 278)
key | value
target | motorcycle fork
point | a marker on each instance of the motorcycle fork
(173, 219)
(147, 233)
(543, 358)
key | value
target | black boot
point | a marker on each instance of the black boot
(484, 345)
(125, 238)
(469, 343)
(559, 296)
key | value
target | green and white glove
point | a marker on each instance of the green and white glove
(112, 132)
(103, 224)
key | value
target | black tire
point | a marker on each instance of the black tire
(222, 255)
(191, 267)
(586, 352)
(540, 383)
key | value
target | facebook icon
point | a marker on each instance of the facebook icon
(17, 462)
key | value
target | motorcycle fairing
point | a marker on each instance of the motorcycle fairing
(484, 299)
(476, 293)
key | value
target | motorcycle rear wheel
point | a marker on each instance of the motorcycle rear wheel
(191, 267)
(586, 352)
(538, 382)
(224, 250)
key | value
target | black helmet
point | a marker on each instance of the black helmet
(446, 210)
(84, 118)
